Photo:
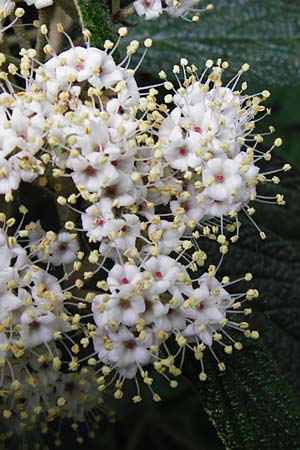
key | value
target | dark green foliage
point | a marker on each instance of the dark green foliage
(266, 34)
(96, 18)
(249, 403)
(93, 15)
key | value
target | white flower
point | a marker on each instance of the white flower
(128, 234)
(9, 178)
(124, 277)
(28, 166)
(172, 320)
(92, 175)
(45, 288)
(124, 192)
(6, 7)
(64, 249)
(128, 352)
(179, 150)
(222, 186)
(39, 3)
(150, 9)
(99, 220)
(210, 303)
(169, 236)
(78, 391)
(90, 64)
(37, 327)
(189, 206)
(125, 308)
(180, 8)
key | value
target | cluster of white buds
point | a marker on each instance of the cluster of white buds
(153, 311)
(52, 120)
(40, 377)
(185, 9)
(210, 143)
(141, 182)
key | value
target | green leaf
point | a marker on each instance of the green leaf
(96, 18)
(275, 265)
(249, 403)
(264, 34)
(93, 15)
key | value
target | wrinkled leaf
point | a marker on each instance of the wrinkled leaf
(96, 18)
(91, 14)
(275, 265)
(264, 34)
(249, 403)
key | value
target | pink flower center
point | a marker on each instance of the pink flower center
(200, 307)
(90, 171)
(147, 4)
(197, 129)
(182, 151)
(98, 149)
(186, 207)
(111, 191)
(158, 274)
(125, 280)
(170, 311)
(125, 304)
(62, 247)
(100, 70)
(99, 222)
(34, 325)
(220, 178)
(129, 345)
(79, 66)
(114, 163)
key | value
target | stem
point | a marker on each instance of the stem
(45, 15)
(21, 35)
(115, 6)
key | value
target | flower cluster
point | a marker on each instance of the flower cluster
(51, 120)
(152, 9)
(152, 312)
(141, 182)
(210, 144)
(32, 300)
(39, 383)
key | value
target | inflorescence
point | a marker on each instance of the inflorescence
(142, 182)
